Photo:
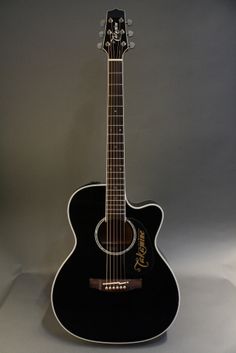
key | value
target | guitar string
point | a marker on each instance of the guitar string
(115, 202)
(108, 186)
(121, 154)
(119, 63)
(116, 173)
(116, 181)
(112, 179)
(119, 148)
(114, 161)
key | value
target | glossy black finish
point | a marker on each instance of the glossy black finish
(124, 317)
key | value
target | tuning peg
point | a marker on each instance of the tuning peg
(101, 34)
(102, 23)
(131, 45)
(129, 22)
(99, 45)
(130, 33)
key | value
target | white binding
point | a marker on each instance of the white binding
(112, 252)
(75, 239)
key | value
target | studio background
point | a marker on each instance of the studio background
(180, 83)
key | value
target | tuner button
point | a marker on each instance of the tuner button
(99, 45)
(102, 23)
(101, 33)
(131, 45)
(130, 33)
(129, 22)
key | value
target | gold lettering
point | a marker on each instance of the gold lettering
(140, 255)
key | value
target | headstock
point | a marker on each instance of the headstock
(115, 35)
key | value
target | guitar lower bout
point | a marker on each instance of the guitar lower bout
(98, 290)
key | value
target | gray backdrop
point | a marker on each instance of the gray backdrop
(180, 83)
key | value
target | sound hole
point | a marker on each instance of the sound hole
(115, 236)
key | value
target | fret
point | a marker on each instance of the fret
(114, 149)
(114, 203)
(120, 177)
(115, 143)
(112, 193)
(117, 173)
(121, 195)
(117, 205)
(118, 130)
(109, 200)
(114, 131)
(116, 198)
(115, 179)
(115, 137)
(115, 189)
(115, 84)
(116, 146)
(115, 169)
(115, 153)
(115, 210)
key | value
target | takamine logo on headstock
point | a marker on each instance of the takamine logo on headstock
(141, 261)
(115, 35)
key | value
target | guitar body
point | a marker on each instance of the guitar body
(88, 310)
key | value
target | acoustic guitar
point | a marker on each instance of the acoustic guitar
(115, 286)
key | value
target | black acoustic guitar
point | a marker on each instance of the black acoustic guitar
(115, 286)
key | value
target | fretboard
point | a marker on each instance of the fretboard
(115, 176)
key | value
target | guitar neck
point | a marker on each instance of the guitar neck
(115, 173)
